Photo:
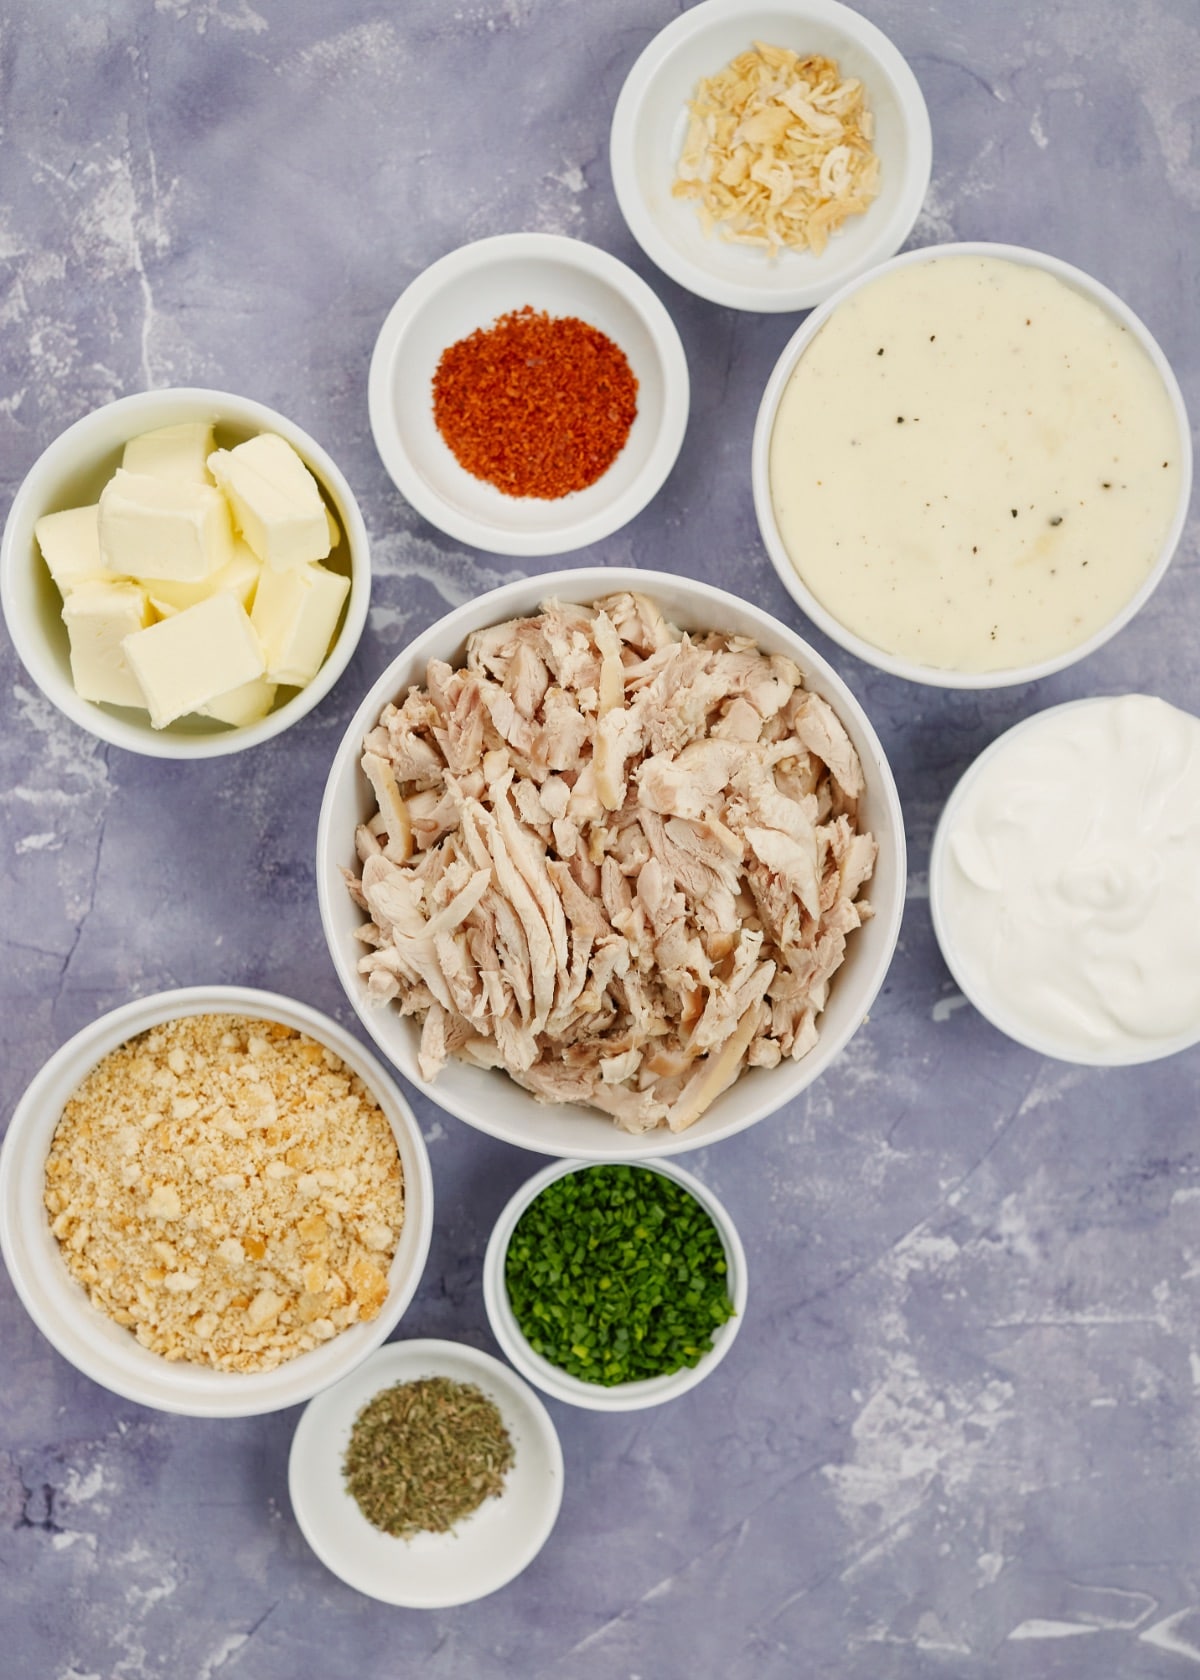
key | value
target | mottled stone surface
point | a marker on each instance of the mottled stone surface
(959, 1433)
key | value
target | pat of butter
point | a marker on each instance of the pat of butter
(70, 545)
(178, 452)
(238, 578)
(188, 661)
(164, 528)
(245, 704)
(295, 614)
(99, 616)
(275, 500)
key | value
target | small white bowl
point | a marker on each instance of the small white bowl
(489, 1099)
(431, 1571)
(71, 472)
(595, 1397)
(789, 576)
(651, 119)
(471, 288)
(1125, 926)
(105, 1351)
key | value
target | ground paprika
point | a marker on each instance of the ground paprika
(536, 404)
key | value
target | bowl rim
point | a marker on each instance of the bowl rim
(560, 1385)
(58, 1305)
(571, 532)
(745, 295)
(141, 738)
(912, 670)
(326, 1415)
(943, 932)
(582, 584)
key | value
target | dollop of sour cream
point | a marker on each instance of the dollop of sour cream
(973, 465)
(1067, 881)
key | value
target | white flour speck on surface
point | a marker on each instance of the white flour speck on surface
(945, 1007)
(373, 48)
(909, 1435)
(1167, 1635)
(220, 1655)
(234, 15)
(1038, 1628)
(47, 842)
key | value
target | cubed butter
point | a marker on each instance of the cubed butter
(100, 616)
(276, 504)
(164, 528)
(242, 705)
(70, 545)
(295, 615)
(178, 452)
(239, 578)
(186, 662)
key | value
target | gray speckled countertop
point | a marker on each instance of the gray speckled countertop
(959, 1433)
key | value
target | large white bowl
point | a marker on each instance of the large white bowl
(650, 121)
(472, 287)
(71, 472)
(621, 1397)
(430, 1571)
(104, 1350)
(789, 576)
(487, 1098)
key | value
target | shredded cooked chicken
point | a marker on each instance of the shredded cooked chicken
(617, 861)
(778, 150)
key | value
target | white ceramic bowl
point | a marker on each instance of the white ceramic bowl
(71, 472)
(110, 1354)
(622, 1397)
(790, 577)
(488, 1099)
(430, 1571)
(651, 119)
(1125, 925)
(471, 288)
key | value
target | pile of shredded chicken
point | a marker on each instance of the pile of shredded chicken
(617, 861)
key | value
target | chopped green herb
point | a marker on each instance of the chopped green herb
(425, 1454)
(616, 1274)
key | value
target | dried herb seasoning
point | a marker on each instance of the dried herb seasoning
(617, 1273)
(425, 1454)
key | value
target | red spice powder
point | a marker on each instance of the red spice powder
(536, 404)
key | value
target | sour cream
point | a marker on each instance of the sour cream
(974, 466)
(1065, 881)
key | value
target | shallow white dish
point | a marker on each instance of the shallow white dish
(71, 472)
(105, 1351)
(430, 1571)
(650, 121)
(790, 577)
(969, 970)
(559, 1384)
(471, 288)
(490, 1100)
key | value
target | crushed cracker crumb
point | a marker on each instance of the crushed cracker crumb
(229, 1190)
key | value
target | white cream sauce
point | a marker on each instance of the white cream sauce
(973, 465)
(1070, 886)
